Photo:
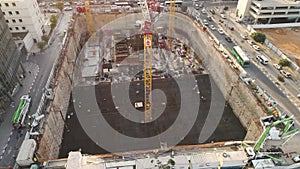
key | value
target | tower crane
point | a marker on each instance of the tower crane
(146, 28)
(89, 17)
(171, 22)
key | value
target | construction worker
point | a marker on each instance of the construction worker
(29, 117)
(29, 124)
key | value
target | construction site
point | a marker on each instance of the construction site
(143, 91)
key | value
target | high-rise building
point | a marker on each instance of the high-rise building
(24, 16)
(10, 66)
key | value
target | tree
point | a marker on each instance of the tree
(45, 38)
(53, 21)
(258, 37)
(41, 45)
(284, 62)
(60, 5)
(280, 78)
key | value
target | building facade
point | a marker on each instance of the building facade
(269, 11)
(10, 67)
(24, 16)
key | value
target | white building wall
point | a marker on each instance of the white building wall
(243, 7)
(23, 16)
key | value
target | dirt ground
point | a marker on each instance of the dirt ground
(287, 40)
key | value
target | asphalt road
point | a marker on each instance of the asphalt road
(45, 61)
(255, 69)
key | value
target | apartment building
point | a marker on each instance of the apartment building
(22, 17)
(10, 67)
(269, 11)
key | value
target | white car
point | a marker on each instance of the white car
(203, 11)
(245, 37)
(256, 47)
(250, 42)
(285, 74)
(278, 67)
(212, 27)
(221, 31)
(296, 159)
(223, 16)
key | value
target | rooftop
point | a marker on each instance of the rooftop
(277, 2)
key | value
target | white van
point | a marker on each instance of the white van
(262, 59)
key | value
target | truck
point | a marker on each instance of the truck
(26, 154)
(23, 107)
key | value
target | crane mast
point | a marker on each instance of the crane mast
(171, 22)
(146, 28)
(89, 17)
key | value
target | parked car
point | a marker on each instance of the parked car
(203, 11)
(68, 8)
(256, 47)
(205, 22)
(278, 67)
(209, 18)
(212, 27)
(285, 74)
(245, 37)
(296, 159)
(250, 42)
(231, 28)
(239, 20)
(221, 31)
(228, 39)
(223, 16)
(212, 11)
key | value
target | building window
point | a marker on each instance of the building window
(10, 28)
(17, 12)
(17, 28)
(13, 4)
(6, 4)
(7, 21)
(0, 5)
(20, 20)
(3, 13)
(13, 20)
(23, 28)
(10, 12)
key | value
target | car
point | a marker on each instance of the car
(212, 27)
(221, 31)
(197, 6)
(245, 37)
(285, 74)
(212, 11)
(256, 47)
(201, 5)
(223, 16)
(298, 95)
(231, 28)
(205, 23)
(239, 20)
(68, 8)
(225, 55)
(278, 67)
(228, 39)
(203, 11)
(209, 18)
(250, 42)
(296, 159)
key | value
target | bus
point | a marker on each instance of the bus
(177, 3)
(23, 107)
(241, 57)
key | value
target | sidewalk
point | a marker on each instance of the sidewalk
(6, 128)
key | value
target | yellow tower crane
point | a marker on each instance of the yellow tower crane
(146, 27)
(171, 22)
(89, 17)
